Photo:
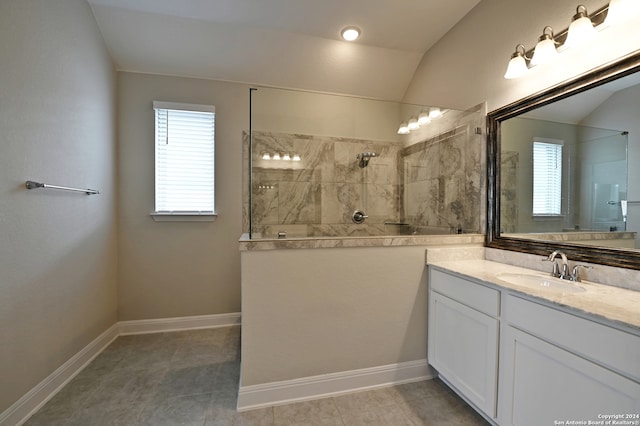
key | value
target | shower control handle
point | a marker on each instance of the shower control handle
(358, 216)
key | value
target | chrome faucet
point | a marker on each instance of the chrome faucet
(575, 273)
(564, 272)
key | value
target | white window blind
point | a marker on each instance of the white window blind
(547, 178)
(184, 158)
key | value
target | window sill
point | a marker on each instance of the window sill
(547, 217)
(184, 216)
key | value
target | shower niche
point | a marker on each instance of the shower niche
(318, 165)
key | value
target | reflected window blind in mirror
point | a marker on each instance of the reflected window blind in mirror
(547, 178)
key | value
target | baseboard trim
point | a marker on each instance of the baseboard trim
(30, 402)
(180, 323)
(326, 385)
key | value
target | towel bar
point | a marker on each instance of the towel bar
(32, 185)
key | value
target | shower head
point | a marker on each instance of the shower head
(364, 158)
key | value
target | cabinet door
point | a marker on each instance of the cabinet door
(463, 345)
(542, 384)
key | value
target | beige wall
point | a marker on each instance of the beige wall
(314, 311)
(57, 249)
(319, 114)
(466, 67)
(172, 269)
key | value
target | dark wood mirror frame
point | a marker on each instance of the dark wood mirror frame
(601, 255)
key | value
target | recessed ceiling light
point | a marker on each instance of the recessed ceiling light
(350, 33)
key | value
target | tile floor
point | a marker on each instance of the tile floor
(191, 378)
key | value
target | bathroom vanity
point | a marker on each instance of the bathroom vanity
(463, 336)
(523, 354)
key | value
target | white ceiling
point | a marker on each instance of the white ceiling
(282, 43)
(574, 109)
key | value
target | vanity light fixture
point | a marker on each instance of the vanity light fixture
(545, 50)
(403, 129)
(581, 28)
(424, 118)
(350, 33)
(518, 64)
(283, 157)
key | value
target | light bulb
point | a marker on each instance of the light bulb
(266, 156)
(286, 157)
(545, 50)
(581, 28)
(276, 156)
(296, 157)
(423, 119)
(350, 33)
(413, 124)
(404, 129)
(517, 64)
(435, 113)
(621, 11)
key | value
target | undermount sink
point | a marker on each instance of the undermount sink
(541, 281)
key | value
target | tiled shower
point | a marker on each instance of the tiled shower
(309, 184)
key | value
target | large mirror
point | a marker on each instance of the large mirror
(564, 167)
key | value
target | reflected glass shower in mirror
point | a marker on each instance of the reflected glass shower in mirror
(312, 160)
(564, 178)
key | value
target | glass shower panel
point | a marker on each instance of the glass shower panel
(442, 186)
(594, 177)
(329, 165)
(603, 166)
(307, 153)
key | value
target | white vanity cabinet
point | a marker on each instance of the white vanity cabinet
(555, 366)
(463, 337)
(525, 361)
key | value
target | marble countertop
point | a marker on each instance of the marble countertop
(607, 302)
(247, 244)
(574, 235)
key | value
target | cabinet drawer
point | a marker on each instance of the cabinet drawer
(607, 346)
(476, 296)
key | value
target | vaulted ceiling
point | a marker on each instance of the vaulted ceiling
(282, 43)
(576, 108)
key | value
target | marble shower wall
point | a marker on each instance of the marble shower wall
(431, 187)
(317, 195)
(443, 185)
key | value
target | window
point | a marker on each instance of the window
(547, 177)
(184, 160)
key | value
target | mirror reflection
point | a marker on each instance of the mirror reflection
(325, 165)
(565, 170)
